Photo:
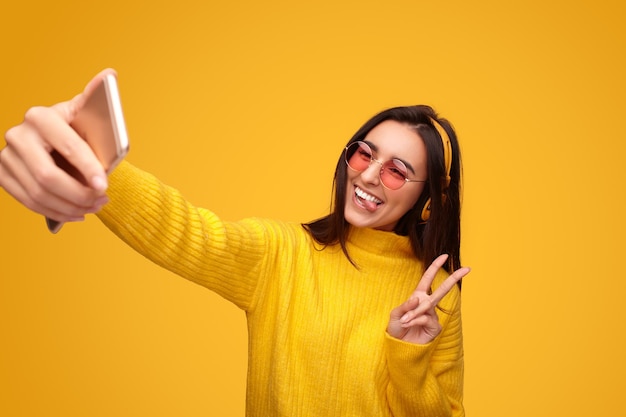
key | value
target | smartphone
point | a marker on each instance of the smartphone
(100, 122)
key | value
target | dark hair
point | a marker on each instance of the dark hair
(441, 233)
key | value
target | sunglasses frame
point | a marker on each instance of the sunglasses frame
(360, 144)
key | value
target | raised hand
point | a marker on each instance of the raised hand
(29, 173)
(416, 320)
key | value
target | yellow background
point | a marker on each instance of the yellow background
(245, 107)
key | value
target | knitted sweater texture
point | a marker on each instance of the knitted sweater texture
(316, 323)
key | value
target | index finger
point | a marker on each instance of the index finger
(58, 136)
(428, 277)
(448, 284)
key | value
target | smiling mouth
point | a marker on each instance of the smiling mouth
(367, 198)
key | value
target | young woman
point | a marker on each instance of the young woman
(355, 314)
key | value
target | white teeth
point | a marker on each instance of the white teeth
(365, 196)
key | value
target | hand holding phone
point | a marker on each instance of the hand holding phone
(100, 122)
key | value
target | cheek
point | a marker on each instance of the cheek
(350, 176)
(407, 200)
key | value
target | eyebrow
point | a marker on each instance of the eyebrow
(375, 149)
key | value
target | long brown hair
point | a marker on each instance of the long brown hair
(441, 233)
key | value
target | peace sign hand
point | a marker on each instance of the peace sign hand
(416, 321)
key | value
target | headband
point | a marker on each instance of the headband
(447, 148)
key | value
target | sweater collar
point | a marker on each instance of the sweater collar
(380, 242)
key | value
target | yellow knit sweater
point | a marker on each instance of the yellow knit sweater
(317, 340)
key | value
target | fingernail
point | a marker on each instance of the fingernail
(404, 318)
(99, 183)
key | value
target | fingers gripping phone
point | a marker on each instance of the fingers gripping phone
(100, 123)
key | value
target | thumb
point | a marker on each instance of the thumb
(68, 109)
(398, 312)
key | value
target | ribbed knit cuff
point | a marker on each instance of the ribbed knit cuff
(408, 363)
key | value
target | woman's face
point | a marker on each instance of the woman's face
(368, 202)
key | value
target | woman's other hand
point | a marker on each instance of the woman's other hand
(416, 321)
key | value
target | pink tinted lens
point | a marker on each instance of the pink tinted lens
(358, 156)
(393, 174)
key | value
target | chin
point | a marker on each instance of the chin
(356, 220)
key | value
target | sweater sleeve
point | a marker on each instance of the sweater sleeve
(427, 380)
(194, 243)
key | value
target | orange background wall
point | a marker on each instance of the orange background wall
(245, 107)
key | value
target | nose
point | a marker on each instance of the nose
(371, 174)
